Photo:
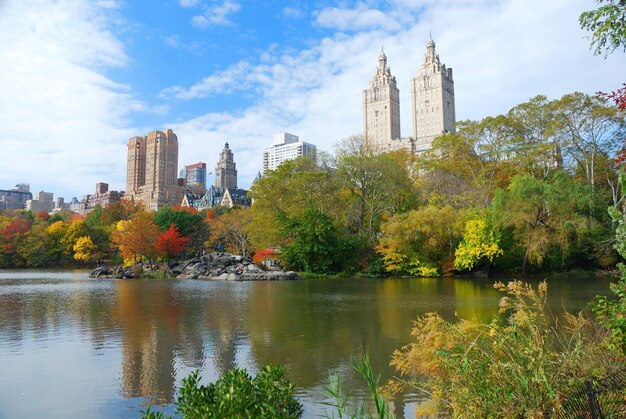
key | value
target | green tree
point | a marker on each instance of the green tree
(314, 244)
(607, 24)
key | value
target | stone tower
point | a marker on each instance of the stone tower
(225, 171)
(381, 108)
(432, 98)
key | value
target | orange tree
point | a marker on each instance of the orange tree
(171, 242)
(137, 237)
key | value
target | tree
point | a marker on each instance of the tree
(84, 249)
(77, 228)
(188, 222)
(420, 242)
(375, 184)
(56, 231)
(171, 242)
(231, 230)
(314, 244)
(479, 243)
(33, 246)
(137, 236)
(544, 213)
(608, 25)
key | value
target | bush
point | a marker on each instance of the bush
(521, 365)
(237, 394)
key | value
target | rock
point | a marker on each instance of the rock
(226, 267)
(99, 271)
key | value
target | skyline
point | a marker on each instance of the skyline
(86, 76)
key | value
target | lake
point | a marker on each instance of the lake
(76, 347)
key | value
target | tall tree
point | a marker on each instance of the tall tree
(137, 237)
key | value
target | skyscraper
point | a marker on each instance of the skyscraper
(432, 98)
(381, 108)
(152, 166)
(195, 175)
(285, 147)
(225, 171)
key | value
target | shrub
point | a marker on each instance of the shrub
(521, 365)
(237, 394)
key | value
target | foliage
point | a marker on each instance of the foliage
(230, 230)
(611, 313)
(84, 249)
(171, 242)
(607, 24)
(479, 243)
(137, 237)
(237, 394)
(419, 242)
(363, 367)
(314, 243)
(520, 365)
(189, 224)
(262, 255)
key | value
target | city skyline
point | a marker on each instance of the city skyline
(87, 76)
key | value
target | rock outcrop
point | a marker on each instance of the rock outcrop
(225, 266)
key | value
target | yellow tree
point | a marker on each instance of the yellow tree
(479, 243)
(137, 237)
(84, 249)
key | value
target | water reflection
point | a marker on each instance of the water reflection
(135, 340)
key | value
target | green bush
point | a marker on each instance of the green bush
(237, 394)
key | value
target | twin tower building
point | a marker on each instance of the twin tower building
(432, 102)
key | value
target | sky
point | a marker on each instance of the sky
(80, 77)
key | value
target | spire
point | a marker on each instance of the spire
(382, 59)
(226, 145)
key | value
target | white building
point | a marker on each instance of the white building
(286, 147)
(381, 108)
(432, 98)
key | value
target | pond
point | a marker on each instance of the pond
(76, 347)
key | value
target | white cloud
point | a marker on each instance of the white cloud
(355, 19)
(502, 54)
(63, 120)
(216, 15)
(188, 3)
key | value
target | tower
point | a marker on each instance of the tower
(225, 171)
(432, 98)
(381, 108)
(151, 169)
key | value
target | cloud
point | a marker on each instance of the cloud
(355, 19)
(189, 3)
(502, 53)
(294, 12)
(217, 15)
(63, 120)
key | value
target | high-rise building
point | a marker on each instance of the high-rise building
(195, 175)
(152, 166)
(226, 171)
(43, 201)
(381, 108)
(432, 98)
(286, 147)
(15, 198)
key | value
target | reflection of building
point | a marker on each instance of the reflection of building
(15, 198)
(152, 166)
(226, 171)
(381, 108)
(286, 147)
(195, 175)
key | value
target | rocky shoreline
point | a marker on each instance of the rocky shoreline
(219, 265)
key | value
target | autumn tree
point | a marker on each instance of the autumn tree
(171, 242)
(137, 237)
(230, 231)
(188, 222)
(84, 249)
(479, 244)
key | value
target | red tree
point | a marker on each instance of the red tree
(171, 242)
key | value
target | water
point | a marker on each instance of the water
(75, 347)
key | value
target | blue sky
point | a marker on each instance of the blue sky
(82, 76)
